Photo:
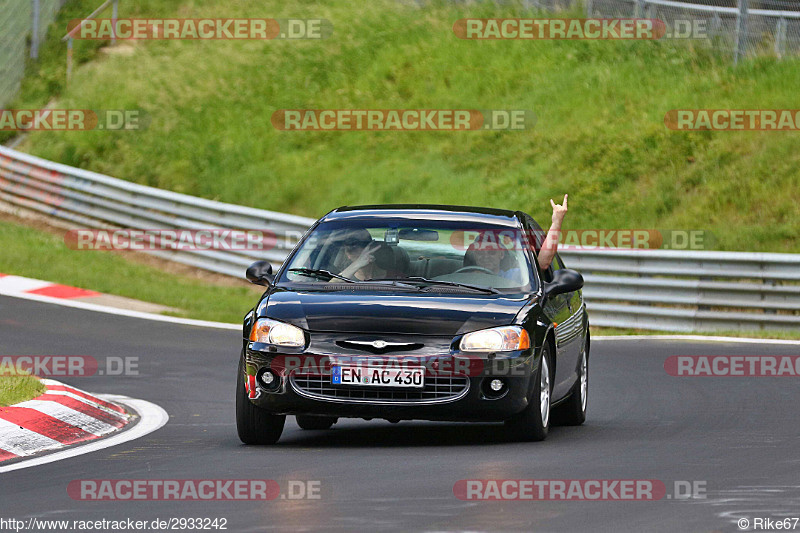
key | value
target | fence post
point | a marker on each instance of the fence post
(780, 37)
(114, 23)
(69, 59)
(35, 30)
(716, 23)
(589, 8)
(741, 31)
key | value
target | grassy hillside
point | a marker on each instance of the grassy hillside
(600, 134)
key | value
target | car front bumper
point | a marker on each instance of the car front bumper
(472, 402)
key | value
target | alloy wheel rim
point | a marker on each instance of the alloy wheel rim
(544, 393)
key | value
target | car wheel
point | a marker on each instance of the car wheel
(254, 425)
(315, 422)
(533, 423)
(573, 411)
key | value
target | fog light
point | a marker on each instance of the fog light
(269, 380)
(494, 388)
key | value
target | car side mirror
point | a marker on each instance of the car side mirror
(260, 273)
(564, 280)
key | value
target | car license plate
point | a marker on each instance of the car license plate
(376, 376)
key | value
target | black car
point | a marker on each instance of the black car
(404, 312)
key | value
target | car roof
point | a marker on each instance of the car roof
(502, 217)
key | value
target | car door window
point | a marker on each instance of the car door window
(535, 238)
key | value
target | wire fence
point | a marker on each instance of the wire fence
(765, 27)
(770, 27)
(21, 22)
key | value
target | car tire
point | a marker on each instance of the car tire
(315, 422)
(573, 411)
(533, 423)
(254, 425)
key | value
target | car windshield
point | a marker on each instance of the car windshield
(433, 254)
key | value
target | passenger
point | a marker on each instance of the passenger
(550, 244)
(488, 253)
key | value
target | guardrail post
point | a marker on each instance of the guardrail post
(35, 30)
(769, 283)
(741, 31)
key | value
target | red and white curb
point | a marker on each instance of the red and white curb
(18, 285)
(64, 416)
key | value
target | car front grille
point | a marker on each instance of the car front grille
(437, 389)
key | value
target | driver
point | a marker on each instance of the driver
(360, 250)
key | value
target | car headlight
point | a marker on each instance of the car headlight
(502, 339)
(274, 332)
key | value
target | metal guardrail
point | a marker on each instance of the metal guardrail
(690, 291)
(89, 200)
(648, 289)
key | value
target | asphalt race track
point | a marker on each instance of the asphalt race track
(740, 436)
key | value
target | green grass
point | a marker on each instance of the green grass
(36, 254)
(15, 389)
(600, 134)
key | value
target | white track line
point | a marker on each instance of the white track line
(120, 312)
(152, 417)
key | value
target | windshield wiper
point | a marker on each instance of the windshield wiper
(328, 275)
(320, 273)
(420, 279)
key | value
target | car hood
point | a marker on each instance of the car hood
(349, 311)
